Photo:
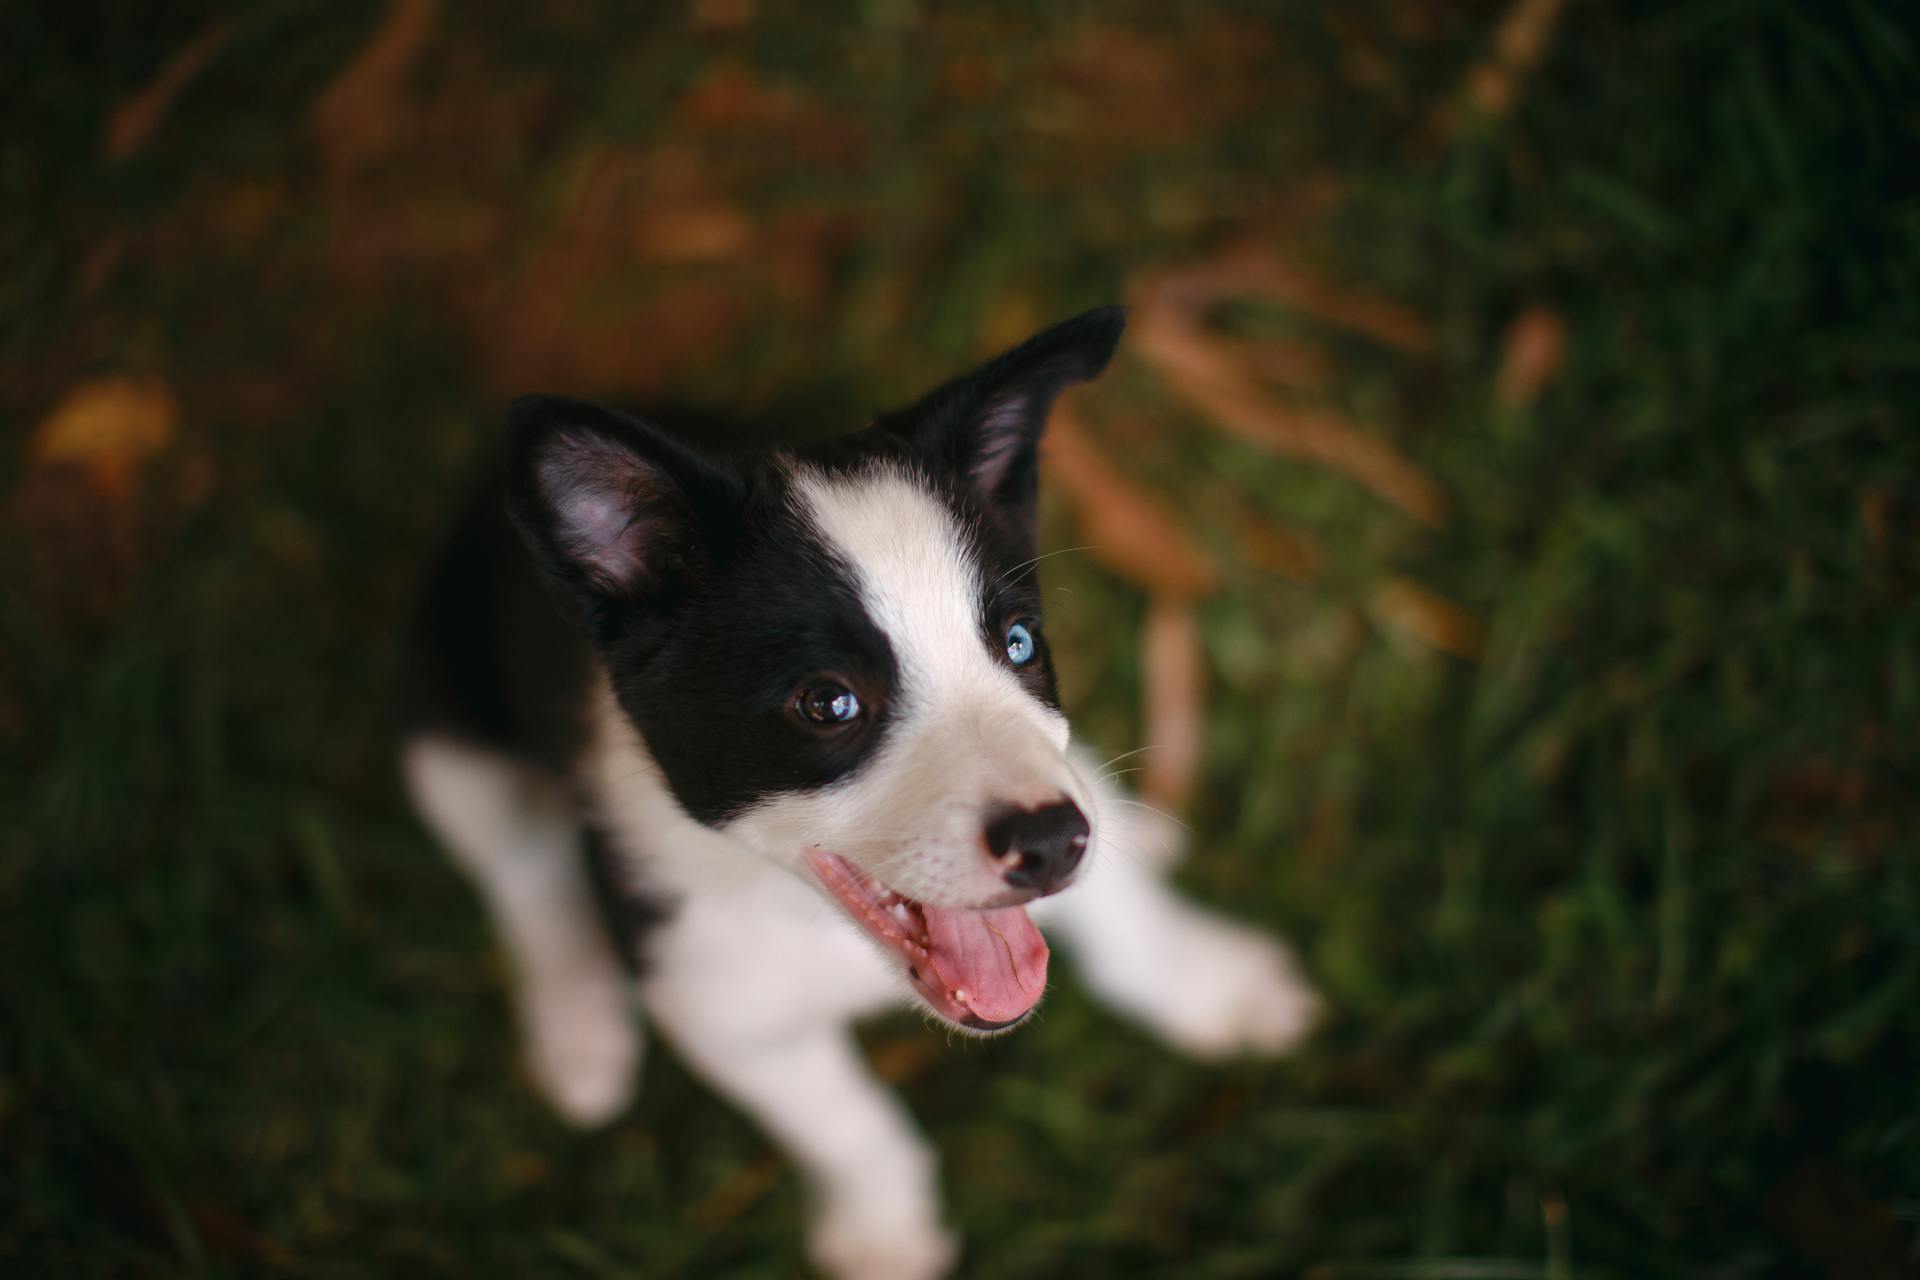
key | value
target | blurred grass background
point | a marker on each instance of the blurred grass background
(1616, 905)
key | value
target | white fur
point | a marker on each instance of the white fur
(516, 834)
(1197, 980)
(755, 980)
(965, 738)
(756, 975)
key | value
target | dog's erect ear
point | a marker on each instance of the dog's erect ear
(984, 427)
(616, 512)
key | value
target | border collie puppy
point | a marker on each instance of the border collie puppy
(793, 732)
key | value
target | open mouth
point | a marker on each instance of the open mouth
(982, 969)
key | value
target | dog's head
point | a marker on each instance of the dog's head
(836, 655)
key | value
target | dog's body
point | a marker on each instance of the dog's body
(793, 731)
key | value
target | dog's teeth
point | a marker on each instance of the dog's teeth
(960, 996)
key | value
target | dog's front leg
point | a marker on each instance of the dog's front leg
(1206, 984)
(876, 1210)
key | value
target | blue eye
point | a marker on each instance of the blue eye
(1019, 644)
(828, 703)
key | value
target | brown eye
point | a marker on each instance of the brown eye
(828, 703)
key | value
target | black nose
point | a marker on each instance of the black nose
(1039, 848)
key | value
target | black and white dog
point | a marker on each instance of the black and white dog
(793, 730)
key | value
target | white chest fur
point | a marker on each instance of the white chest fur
(748, 940)
(756, 974)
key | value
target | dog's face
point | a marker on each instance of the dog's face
(836, 654)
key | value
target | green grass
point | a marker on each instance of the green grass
(1619, 925)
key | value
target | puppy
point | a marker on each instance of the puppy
(792, 731)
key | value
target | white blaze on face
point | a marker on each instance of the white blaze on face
(965, 738)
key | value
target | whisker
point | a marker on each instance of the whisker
(1141, 804)
(1046, 556)
(1153, 746)
(1124, 849)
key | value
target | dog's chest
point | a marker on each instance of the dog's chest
(769, 952)
(744, 939)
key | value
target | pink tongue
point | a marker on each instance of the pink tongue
(996, 957)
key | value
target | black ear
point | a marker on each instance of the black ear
(614, 510)
(984, 427)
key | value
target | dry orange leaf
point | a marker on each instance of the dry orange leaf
(1252, 268)
(1432, 619)
(1531, 354)
(1170, 335)
(362, 113)
(107, 428)
(1291, 362)
(1128, 531)
(134, 120)
(1175, 696)
(692, 233)
(1287, 552)
(1519, 44)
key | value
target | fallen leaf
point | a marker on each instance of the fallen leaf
(1432, 619)
(692, 233)
(364, 111)
(1174, 714)
(1127, 530)
(135, 119)
(1531, 353)
(1291, 362)
(1520, 42)
(1287, 552)
(1254, 269)
(107, 428)
(1170, 335)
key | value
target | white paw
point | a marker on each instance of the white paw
(1228, 990)
(852, 1246)
(583, 1048)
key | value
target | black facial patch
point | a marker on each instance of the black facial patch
(711, 682)
(1010, 592)
(629, 910)
(712, 603)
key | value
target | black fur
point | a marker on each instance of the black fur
(686, 575)
(488, 658)
(982, 430)
(711, 680)
(628, 910)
